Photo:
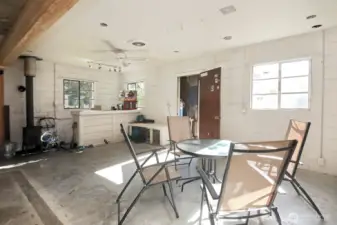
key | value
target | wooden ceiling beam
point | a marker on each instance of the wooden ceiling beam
(35, 18)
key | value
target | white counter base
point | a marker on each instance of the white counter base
(93, 127)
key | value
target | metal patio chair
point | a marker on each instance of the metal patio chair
(253, 173)
(159, 173)
(179, 128)
(299, 130)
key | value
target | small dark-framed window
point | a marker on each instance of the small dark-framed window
(78, 94)
(140, 88)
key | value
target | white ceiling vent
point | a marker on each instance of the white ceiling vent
(227, 10)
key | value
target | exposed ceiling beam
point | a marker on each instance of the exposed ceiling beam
(36, 17)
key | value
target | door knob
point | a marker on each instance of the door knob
(217, 117)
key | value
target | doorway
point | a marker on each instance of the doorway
(200, 95)
(188, 89)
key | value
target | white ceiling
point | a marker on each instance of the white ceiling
(192, 27)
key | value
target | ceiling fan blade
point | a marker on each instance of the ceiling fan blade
(112, 47)
(100, 51)
(137, 51)
(141, 59)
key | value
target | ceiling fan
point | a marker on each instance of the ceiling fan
(122, 55)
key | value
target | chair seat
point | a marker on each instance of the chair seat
(161, 177)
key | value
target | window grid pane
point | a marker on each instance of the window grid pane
(295, 84)
(266, 71)
(296, 68)
(295, 101)
(269, 86)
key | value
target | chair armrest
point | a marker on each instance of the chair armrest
(161, 163)
(208, 184)
(151, 150)
(300, 163)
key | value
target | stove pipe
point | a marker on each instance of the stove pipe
(30, 73)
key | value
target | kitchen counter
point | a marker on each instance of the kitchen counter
(95, 126)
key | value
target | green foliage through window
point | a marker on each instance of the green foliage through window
(78, 94)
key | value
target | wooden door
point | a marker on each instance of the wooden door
(209, 114)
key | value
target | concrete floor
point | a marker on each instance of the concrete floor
(80, 189)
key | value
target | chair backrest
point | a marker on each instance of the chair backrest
(299, 131)
(132, 151)
(253, 173)
(179, 128)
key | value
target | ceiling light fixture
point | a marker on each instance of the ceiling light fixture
(311, 17)
(103, 24)
(176, 51)
(227, 38)
(317, 26)
(138, 43)
(227, 10)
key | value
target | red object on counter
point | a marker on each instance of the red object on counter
(129, 104)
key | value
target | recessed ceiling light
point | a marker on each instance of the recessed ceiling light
(311, 17)
(316, 26)
(227, 38)
(103, 24)
(227, 10)
(138, 43)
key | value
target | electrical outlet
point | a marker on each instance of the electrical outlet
(321, 161)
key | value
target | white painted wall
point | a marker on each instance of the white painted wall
(238, 121)
(48, 93)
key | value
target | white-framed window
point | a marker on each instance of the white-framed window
(78, 94)
(281, 85)
(140, 88)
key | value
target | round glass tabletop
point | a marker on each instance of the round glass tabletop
(205, 147)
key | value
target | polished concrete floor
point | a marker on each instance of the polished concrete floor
(81, 188)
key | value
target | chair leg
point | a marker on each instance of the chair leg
(201, 205)
(164, 189)
(247, 220)
(307, 196)
(294, 186)
(172, 197)
(211, 219)
(120, 221)
(167, 154)
(277, 216)
(190, 162)
(126, 185)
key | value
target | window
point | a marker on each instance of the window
(139, 87)
(78, 94)
(282, 85)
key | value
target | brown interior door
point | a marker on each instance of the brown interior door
(209, 114)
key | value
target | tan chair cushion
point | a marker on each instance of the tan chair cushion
(150, 171)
